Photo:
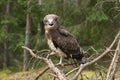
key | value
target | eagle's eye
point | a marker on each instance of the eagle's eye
(45, 21)
(55, 19)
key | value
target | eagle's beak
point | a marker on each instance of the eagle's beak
(50, 22)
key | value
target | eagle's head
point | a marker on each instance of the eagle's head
(51, 21)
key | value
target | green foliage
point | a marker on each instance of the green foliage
(96, 15)
(93, 24)
(96, 25)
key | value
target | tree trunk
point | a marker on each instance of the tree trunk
(7, 52)
(40, 2)
(27, 37)
(6, 55)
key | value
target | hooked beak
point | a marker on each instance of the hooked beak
(50, 22)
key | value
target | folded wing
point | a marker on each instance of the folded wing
(67, 43)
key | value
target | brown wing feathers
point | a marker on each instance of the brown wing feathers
(67, 43)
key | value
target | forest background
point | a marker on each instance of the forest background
(93, 22)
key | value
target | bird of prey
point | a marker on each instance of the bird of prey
(61, 41)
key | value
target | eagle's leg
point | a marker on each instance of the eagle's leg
(60, 62)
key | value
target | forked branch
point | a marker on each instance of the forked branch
(82, 66)
(59, 74)
(50, 64)
(113, 65)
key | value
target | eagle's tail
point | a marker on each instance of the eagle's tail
(81, 58)
(81, 61)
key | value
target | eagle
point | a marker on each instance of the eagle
(60, 41)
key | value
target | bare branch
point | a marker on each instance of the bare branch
(53, 75)
(41, 73)
(71, 71)
(59, 74)
(86, 76)
(113, 65)
(50, 64)
(94, 50)
(33, 54)
(47, 68)
(82, 66)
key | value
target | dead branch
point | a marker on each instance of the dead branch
(86, 76)
(53, 75)
(50, 64)
(82, 66)
(93, 55)
(41, 73)
(99, 70)
(94, 50)
(113, 65)
(47, 68)
(71, 71)
(59, 74)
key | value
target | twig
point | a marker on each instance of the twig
(94, 50)
(50, 64)
(33, 54)
(81, 76)
(99, 69)
(86, 76)
(113, 65)
(53, 75)
(41, 73)
(44, 50)
(71, 71)
(92, 56)
(54, 78)
(82, 66)
(47, 68)
(87, 50)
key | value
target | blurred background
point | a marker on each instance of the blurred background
(93, 22)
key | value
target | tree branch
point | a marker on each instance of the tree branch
(47, 68)
(113, 65)
(41, 73)
(71, 71)
(59, 74)
(82, 66)
(50, 64)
